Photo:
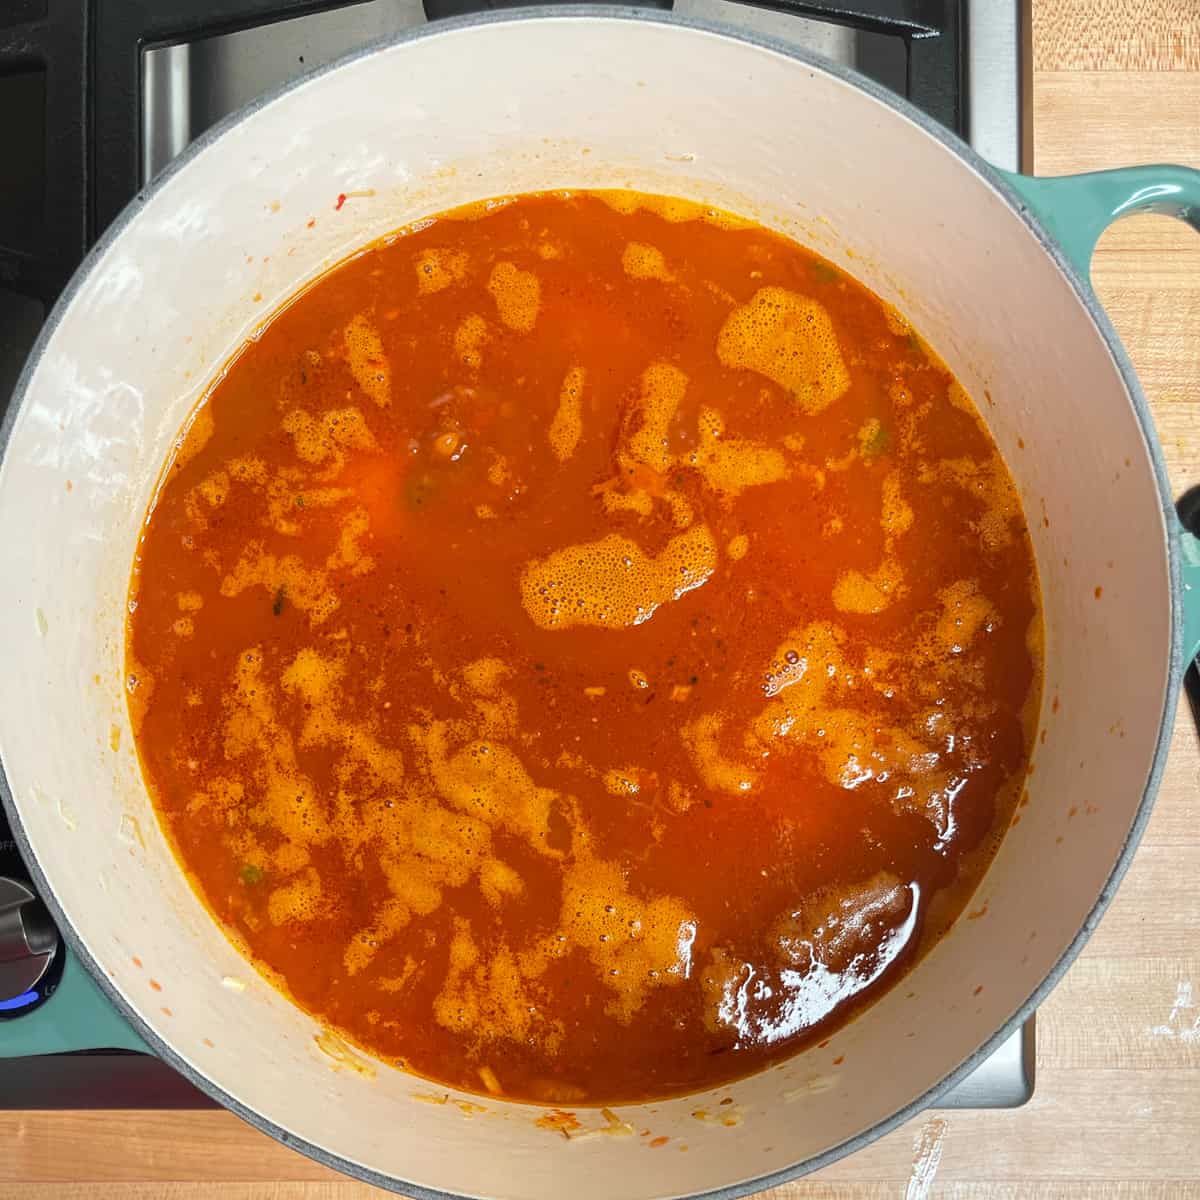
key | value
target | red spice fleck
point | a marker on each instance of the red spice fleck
(988, 396)
(1020, 443)
(976, 913)
(822, 1045)
(137, 962)
(166, 1012)
(1046, 522)
(1054, 706)
(1042, 737)
(311, 222)
(340, 201)
(1099, 592)
(208, 1043)
(560, 1121)
(727, 1100)
(841, 1058)
(1058, 841)
(257, 297)
(156, 985)
(1072, 810)
(978, 990)
(659, 1141)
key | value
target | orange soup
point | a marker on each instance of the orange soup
(585, 648)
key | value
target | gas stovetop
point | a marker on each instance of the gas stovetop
(107, 92)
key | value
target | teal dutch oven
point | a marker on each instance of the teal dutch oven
(992, 269)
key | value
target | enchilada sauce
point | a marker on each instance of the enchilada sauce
(585, 648)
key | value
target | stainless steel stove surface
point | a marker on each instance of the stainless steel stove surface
(157, 81)
(189, 86)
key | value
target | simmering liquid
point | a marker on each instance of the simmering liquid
(585, 648)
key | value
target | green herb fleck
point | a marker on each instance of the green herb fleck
(825, 272)
(877, 442)
(251, 874)
(299, 501)
(280, 597)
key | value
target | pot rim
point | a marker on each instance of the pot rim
(1084, 294)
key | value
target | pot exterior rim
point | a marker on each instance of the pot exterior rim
(1083, 293)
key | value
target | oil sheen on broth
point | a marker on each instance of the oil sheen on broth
(585, 647)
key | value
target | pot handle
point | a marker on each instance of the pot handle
(1075, 210)
(78, 1016)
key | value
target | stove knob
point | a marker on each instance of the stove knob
(28, 939)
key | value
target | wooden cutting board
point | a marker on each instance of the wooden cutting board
(1117, 1108)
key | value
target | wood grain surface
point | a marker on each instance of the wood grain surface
(1116, 1115)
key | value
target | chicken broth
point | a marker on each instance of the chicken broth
(585, 647)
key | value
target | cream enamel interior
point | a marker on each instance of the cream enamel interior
(510, 106)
